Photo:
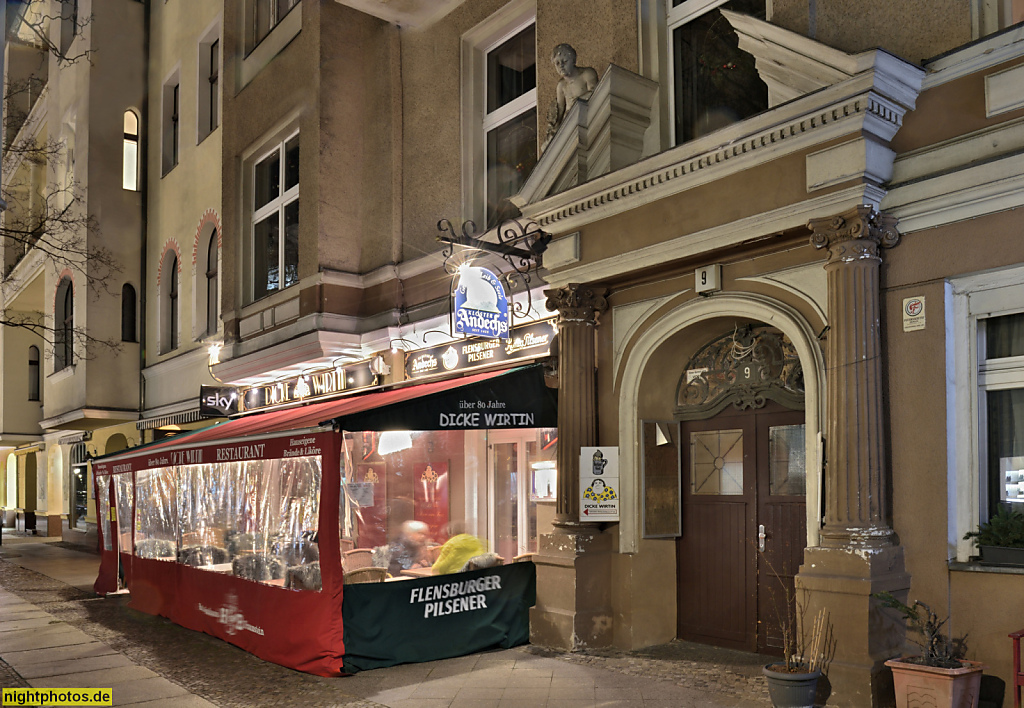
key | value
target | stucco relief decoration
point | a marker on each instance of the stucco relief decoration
(170, 245)
(209, 218)
(746, 368)
(577, 303)
(855, 235)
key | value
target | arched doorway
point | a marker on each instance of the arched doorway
(739, 405)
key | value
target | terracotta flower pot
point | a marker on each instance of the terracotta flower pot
(791, 690)
(918, 685)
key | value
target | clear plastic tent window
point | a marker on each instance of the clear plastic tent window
(104, 504)
(255, 519)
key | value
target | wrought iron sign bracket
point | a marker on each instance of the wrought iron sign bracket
(519, 245)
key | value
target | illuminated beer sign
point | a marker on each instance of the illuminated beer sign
(525, 342)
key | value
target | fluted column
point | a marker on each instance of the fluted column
(856, 507)
(579, 309)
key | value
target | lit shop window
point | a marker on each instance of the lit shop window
(433, 501)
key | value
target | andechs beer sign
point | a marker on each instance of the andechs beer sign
(308, 387)
(481, 307)
(525, 342)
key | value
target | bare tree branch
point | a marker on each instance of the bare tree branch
(46, 215)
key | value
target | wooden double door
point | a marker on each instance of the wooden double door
(744, 526)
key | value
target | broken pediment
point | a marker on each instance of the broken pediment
(791, 64)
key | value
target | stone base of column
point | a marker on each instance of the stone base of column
(52, 525)
(573, 609)
(843, 581)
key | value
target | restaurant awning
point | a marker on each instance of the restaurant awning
(516, 398)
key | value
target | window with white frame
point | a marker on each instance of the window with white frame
(510, 122)
(714, 83)
(208, 98)
(987, 397)
(171, 122)
(1001, 382)
(275, 219)
(499, 79)
(130, 169)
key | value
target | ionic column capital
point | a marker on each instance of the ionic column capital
(855, 235)
(579, 304)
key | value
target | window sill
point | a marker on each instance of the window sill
(66, 372)
(202, 138)
(979, 567)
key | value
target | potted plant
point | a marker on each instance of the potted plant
(939, 676)
(793, 682)
(1001, 539)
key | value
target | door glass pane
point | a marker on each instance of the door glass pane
(716, 462)
(506, 499)
(543, 482)
(788, 466)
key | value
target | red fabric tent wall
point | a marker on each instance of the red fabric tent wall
(299, 629)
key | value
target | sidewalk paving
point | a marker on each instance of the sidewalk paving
(55, 633)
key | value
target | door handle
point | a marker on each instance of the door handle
(760, 538)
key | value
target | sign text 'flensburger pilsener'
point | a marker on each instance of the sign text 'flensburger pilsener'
(525, 342)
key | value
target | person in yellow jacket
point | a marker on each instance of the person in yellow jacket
(456, 551)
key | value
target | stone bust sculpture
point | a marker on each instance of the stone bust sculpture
(577, 82)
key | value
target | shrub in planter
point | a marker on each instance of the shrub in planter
(793, 682)
(1001, 538)
(939, 676)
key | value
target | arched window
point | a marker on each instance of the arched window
(211, 285)
(64, 325)
(128, 313)
(33, 373)
(130, 179)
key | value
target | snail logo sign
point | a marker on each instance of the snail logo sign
(481, 307)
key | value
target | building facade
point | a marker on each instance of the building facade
(72, 250)
(784, 235)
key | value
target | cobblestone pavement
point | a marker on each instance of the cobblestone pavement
(228, 676)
